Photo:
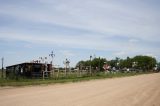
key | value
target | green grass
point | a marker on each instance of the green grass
(72, 78)
(3, 73)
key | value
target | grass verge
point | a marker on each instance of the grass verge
(25, 82)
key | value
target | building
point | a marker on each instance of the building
(28, 70)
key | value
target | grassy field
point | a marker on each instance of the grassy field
(72, 78)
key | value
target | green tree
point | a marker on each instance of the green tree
(145, 62)
(96, 63)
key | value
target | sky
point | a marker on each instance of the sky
(76, 29)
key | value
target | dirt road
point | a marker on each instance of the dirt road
(142, 90)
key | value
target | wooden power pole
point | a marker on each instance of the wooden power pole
(2, 66)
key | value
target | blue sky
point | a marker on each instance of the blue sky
(76, 29)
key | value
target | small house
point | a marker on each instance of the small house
(28, 70)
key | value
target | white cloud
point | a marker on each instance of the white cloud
(95, 42)
(152, 55)
(11, 52)
(108, 17)
(28, 46)
(133, 40)
(67, 53)
(121, 53)
(136, 21)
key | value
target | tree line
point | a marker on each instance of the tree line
(144, 63)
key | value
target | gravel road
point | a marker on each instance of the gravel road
(142, 90)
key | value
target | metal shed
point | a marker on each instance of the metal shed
(28, 70)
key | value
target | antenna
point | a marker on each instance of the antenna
(52, 55)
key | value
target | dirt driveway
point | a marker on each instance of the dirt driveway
(142, 90)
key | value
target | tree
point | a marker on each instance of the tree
(145, 62)
(158, 64)
(96, 63)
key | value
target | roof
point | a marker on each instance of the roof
(25, 63)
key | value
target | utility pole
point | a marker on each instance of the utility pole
(2, 65)
(52, 55)
(44, 62)
(90, 65)
(99, 64)
(66, 63)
